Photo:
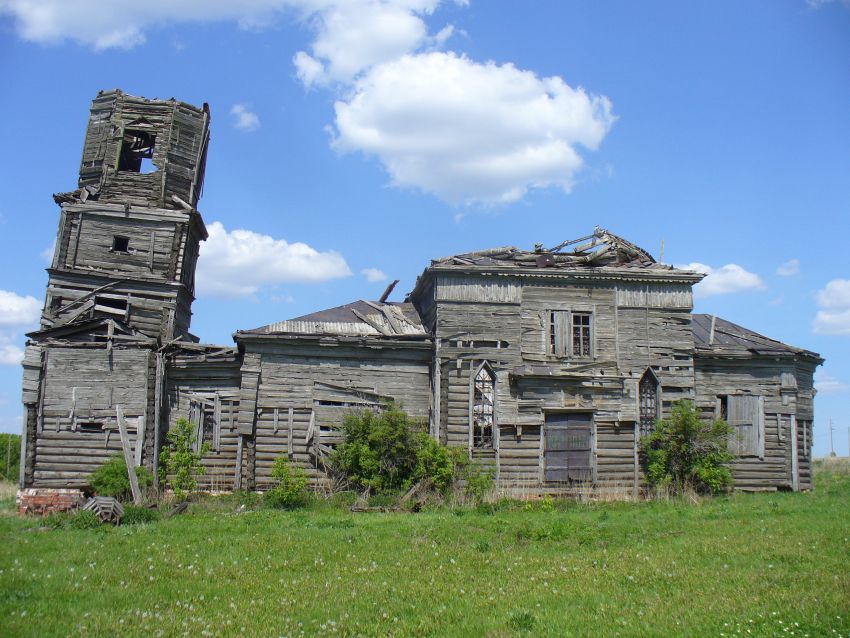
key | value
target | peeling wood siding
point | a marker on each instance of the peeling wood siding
(86, 385)
(191, 376)
(179, 152)
(757, 377)
(301, 376)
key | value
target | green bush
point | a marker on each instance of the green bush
(136, 514)
(479, 480)
(180, 463)
(83, 519)
(291, 489)
(388, 451)
(10, 456)
(111, 479)
(685, 452)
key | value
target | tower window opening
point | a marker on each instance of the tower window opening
(120, 244)
(137, 152)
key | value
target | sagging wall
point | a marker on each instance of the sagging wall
(508, 322)
(295, 395)
(71, 413)
(205, 390)
(783, 388)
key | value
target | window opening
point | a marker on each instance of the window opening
(116, 304)
(581, 334)
(120, 244)
(90, 427)
(724, 408)
(648, 391)
(482, 408)
(137, 152)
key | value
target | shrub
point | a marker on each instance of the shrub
(291, 489)
(685, 452)
(10, 456)
(479, 480)
(83, 519)
(136, 514)
(388, 451)
(434, 462)
(111, 479)
(181, 461)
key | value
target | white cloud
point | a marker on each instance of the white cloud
(789, 268)
(47, 254)
(833, 316)
(373, 274)
(355, 36)
(244, 120)
(103, 24)
(469, 132)
(724, 280)
(827, 384)
(16, 310)
(10, 353)
(238, 263)
(349, 33)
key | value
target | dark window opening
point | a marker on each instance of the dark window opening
(90, 427)
(137, 152)
(120, 244)
(581, 334)
(724, 408)
(648, 391)
(117, 304)
(483, 401)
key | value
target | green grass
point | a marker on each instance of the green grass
(753, 565)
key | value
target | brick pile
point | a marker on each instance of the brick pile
(42, 501)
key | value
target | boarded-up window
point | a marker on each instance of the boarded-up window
(570, 333)
(746, 416)
(483, 404)
(569, 447)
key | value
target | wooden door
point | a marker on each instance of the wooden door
(568, 453)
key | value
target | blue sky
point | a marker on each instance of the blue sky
(354, 140)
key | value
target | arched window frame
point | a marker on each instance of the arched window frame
(645, 427)
(490, 443)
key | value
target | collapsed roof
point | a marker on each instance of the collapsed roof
(360, 319)
(601, 248)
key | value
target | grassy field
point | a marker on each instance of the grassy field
(752, 565)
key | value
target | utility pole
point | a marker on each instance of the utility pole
(831, 444)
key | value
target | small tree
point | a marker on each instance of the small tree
(389, 451)
(687, 452)
(111, 479)
(291, 489)
(180, 460)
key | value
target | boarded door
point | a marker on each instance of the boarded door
(568, 454)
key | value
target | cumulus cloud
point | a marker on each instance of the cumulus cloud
(238, 263)
(16, 310)
(373, 274)
(833, 317)
(827, 384)
(724, 280)
(789, 268)
(10, 353)
(469, 132)
(243, 119)
(350, 33)
(354, 36)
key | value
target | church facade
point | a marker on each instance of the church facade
(546, 364)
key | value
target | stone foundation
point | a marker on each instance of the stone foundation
(37, 501)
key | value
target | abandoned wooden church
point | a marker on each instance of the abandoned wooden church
(546, 363)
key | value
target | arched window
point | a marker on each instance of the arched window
(483, 404)
(648, 391)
